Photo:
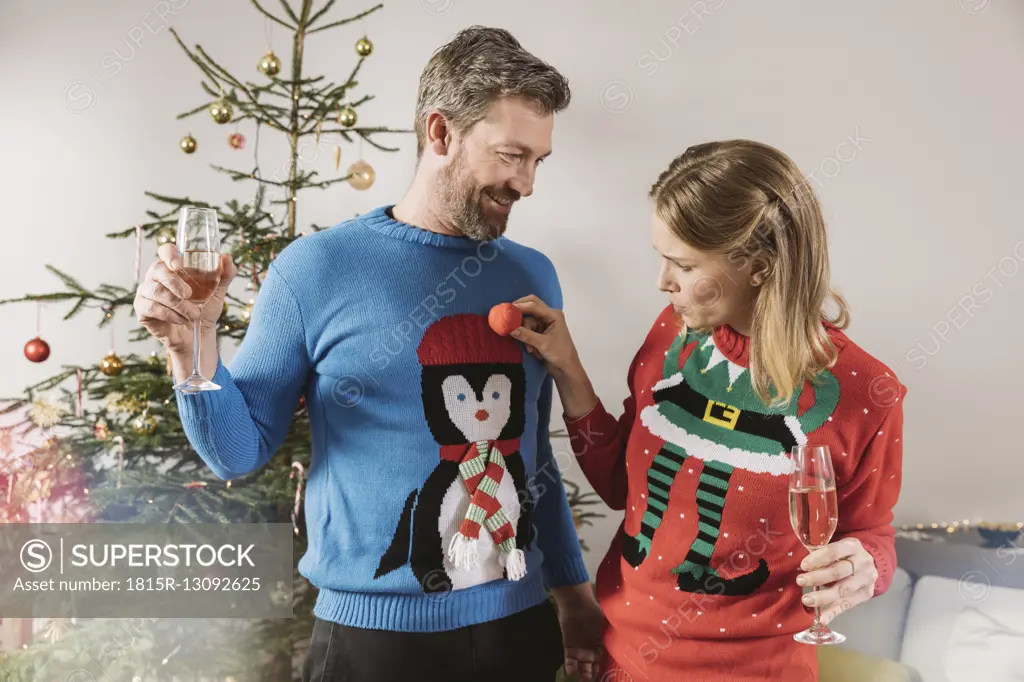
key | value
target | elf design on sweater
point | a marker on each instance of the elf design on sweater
(707, 410)
(700, 581)
(470, 522)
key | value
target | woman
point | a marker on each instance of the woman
(705, 579)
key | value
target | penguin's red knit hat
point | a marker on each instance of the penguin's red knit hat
(466, 339)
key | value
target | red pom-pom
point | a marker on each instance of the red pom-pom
(37, 350)
(505, 318)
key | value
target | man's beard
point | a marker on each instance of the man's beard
(462, 201)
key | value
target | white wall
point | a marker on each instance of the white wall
(921, 211)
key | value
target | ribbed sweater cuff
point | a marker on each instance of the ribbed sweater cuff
(569, 571)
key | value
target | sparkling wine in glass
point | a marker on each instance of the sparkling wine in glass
(814, 514)
(199, 249)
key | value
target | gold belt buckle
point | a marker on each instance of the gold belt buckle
(728, 414)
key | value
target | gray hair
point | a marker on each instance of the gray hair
(479, 66)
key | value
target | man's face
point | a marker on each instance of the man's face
(493, 165)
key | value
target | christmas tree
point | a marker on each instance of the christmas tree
(103, 443)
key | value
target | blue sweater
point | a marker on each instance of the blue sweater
(382, 326)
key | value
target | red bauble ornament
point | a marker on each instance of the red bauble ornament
(505, 318)
(236, 140)
(37, 350)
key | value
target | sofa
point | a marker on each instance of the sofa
(954, 613)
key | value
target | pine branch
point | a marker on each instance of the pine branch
(313, 19)
(239, 175)
(272, 17)
(289, 12)
(345, 21)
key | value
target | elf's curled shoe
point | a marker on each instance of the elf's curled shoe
(702, 579)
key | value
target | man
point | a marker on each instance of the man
(435, 512)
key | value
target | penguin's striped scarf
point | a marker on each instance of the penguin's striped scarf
(481, 469)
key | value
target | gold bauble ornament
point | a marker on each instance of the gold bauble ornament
(270, 65)
(364, 48)
(347, 116)
(155, 360)
(221, 111)
(145, 423)
(166, 235)
(361, 175)
(188, 144)
(112, 365)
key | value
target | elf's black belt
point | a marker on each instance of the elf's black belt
(770, 426)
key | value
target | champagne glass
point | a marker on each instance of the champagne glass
(814, 514)
(199, 249)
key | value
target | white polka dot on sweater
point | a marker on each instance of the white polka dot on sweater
(853, 373)
(659, 557)
(700, 613)
(754, 615)
(780, 625)
(722, 629)
(830, 418)
(879, 433)
(761, 520)
(725, 535)
(627, 603)
(790, 554)
(642, 496)
(741, 556)
(682, 516)
(740, 488)
(781, 589)
(874, 470)
(652, 597)
(690, 470)
(647, 452)
(662, 324)
(865, 410)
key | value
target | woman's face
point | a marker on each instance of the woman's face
(706, 290)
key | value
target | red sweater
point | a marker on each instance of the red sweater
(700, 581)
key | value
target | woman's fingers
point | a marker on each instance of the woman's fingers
(845, 604)
(536, 307)
(529, 337)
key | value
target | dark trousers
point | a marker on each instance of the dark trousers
(524, 647)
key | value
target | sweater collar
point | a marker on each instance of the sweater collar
(381, 220)
(733, 345)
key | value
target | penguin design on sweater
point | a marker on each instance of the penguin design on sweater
(470, 521)
(706, 413)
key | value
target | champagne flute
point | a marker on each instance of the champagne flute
(814, 514)
(199, 249)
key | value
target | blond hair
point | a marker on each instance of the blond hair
(748, 200)
(479, 66)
